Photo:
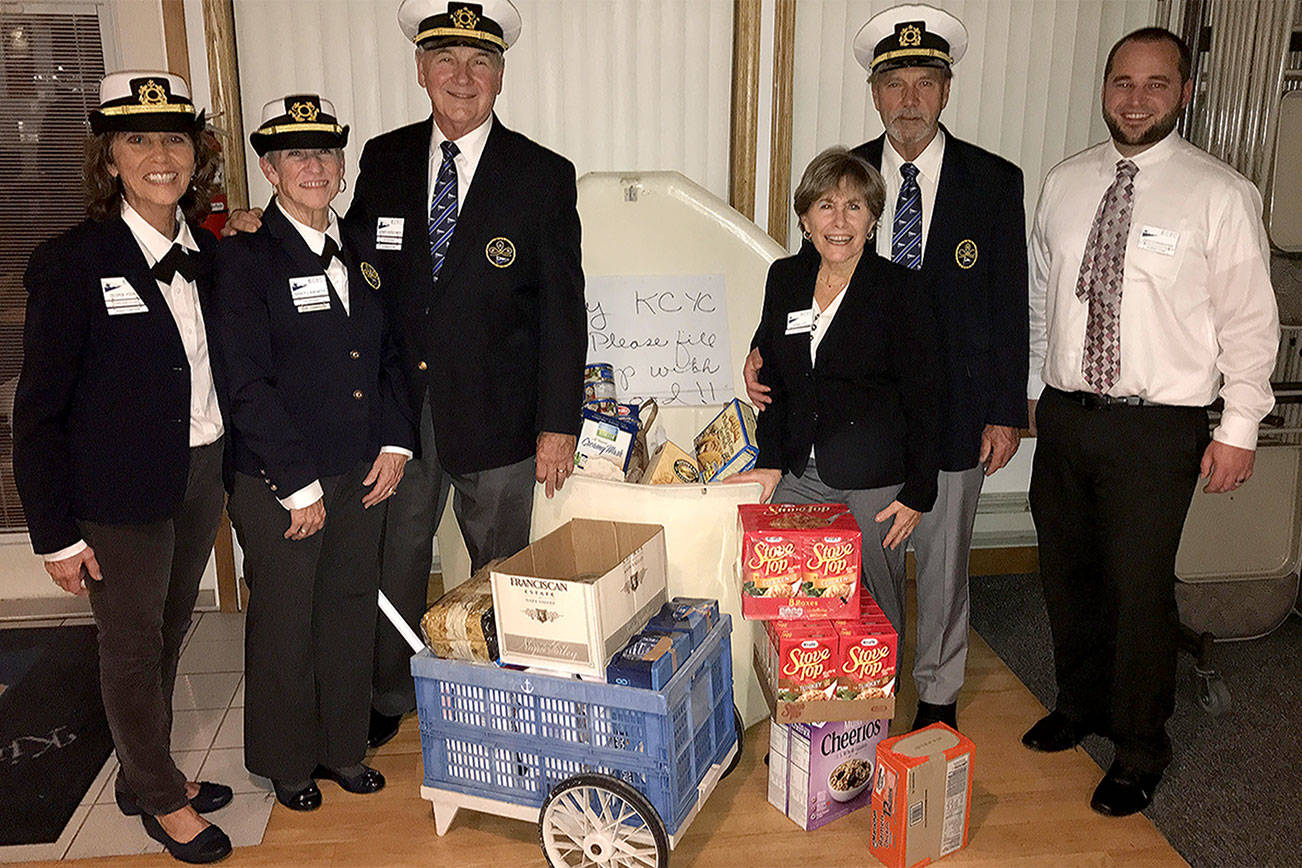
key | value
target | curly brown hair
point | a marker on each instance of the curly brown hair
(104, 191)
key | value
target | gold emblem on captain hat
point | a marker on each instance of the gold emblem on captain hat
(966, 253)
(304, 112)
(152, 93)
(465, 18)
(910, 36)
(372, 276)
(500, 252)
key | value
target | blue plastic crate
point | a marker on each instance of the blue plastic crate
(512, 736)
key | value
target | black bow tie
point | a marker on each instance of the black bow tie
(177, 261)
(329, 252)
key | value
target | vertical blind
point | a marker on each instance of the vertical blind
(1027, 88)
(51, 61)
(613, 85)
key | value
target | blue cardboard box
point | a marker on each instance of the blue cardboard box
(650, 660)
(694, 616)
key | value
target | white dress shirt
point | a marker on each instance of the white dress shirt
(1198, 314)
(470, 148)
(337, 274)
(182, 298)
(928, 163)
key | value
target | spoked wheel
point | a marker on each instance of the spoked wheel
(597, 821)
(741, 741)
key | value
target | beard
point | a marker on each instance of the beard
(1159, 129)
(910, 129)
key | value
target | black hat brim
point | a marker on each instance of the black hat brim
(147, 122)
(265, 143)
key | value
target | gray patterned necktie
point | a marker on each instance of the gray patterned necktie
(1101, 273)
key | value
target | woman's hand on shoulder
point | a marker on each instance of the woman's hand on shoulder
(242, 220)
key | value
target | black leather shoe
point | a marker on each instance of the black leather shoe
(368, 780)
(1055, 732)
(383, 728)
(306, 798)
(210, 797)
(1123, 792)
(929, 713)
(208, 846)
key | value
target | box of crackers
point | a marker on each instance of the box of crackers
(799, 561)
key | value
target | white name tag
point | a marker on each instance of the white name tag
(120, 297)
(1163, 241)
(310, 293)
(800, 322)
(388, 233)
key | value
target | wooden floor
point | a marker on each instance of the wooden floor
(1028, 809)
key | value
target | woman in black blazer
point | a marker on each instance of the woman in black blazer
(850, 354)
(117, 429)
(321, 431)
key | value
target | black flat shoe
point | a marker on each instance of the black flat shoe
(306, 798)
(1123, 792)
(368, 780)
(1056, 732)
(383, 728)
(210, 798)
(929, 713)
(209, 845)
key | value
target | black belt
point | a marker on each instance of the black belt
(1095, 401)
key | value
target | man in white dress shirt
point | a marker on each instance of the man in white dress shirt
(1150, 297)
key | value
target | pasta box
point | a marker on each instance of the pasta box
(799, 561)
(726, 446)
(921, 796)
(671, 465)
(574, 598)
(819, 772)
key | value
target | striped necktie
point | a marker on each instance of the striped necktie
(443, 208)
(906, 232)
(1099, 283)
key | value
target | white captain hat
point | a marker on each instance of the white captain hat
(145, 101)
(491, 24)
(910, 35)
(303, 120)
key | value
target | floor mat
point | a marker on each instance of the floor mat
(54, 738)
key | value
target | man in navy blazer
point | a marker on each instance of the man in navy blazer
(955, 213)
(479, 228)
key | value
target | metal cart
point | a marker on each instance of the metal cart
(611, 775)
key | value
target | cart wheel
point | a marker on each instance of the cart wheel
(1213, 695)
(741, 741)
(597, 820)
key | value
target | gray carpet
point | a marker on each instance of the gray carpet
(1233, 795)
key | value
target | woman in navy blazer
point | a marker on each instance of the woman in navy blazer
(321, 430)
(118, 434)
(850, 354)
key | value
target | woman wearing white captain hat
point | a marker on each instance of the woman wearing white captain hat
(117, 430)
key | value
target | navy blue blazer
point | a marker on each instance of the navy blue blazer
(500, 343)
(975, 269)
(102, 409)
(870, 405)
(311, 393)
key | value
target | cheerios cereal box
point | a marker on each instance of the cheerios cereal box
(799, 561)
(819, 772)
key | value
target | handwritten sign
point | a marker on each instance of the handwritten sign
(666, 336)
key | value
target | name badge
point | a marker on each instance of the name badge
(800, 322)
(1163, 241)
(310, 293)
(120, 297)
(388, 233)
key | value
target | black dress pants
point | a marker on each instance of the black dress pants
(142, 612)
(310, 628)
(1109, 492)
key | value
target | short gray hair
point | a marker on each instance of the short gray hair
(834, 167)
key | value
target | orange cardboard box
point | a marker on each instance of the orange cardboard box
(922, 796)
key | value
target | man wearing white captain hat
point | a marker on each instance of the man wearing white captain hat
(478, 226)
(954, 212)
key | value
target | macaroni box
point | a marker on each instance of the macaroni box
(921, 796)
(671, 465)
(799, 561)
(727, 445)
(573, 599)
(819, 772)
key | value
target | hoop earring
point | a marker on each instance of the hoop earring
(804, 233)
(343, 184)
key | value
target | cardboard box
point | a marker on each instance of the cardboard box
(604, 446)
(650, 660)
(868, 654)
(727, 445)
(799, 561)
(692, 616)
(922, 796)
(573, 599)
(816, 710)
(819, 772)
(671, 465)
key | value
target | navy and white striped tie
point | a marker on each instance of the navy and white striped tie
(906, 233)
(443, 208)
